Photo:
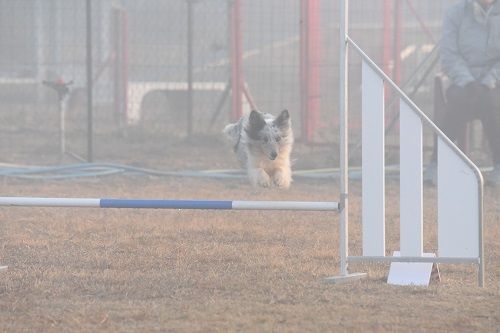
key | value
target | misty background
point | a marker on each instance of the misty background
(140, 67)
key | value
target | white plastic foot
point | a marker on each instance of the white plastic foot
(413, 273)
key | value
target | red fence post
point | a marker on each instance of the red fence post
(310, 58)
(397, 41)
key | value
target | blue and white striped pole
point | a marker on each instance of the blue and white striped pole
(169, 204)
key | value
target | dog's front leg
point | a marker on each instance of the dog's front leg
(282, 177)
(258, 177)
(282, 173)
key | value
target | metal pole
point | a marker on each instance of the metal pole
(115, 46)
(89, 82)
(169, 204)
(41, 69)
(236, 55)
(480, 273)
(124, 64)
(303, 69)
(343, 109)
(396, 44)
(344, 162)
(386, 44)
(190, 68)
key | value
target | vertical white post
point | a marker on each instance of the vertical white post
(373, 162)
(344, 158)
(411, 188)
(343, 163)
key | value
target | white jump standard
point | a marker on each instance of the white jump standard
(460, 226)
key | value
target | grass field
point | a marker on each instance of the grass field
(168, 270)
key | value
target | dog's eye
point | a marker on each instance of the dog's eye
(278, 139)
(266, 140)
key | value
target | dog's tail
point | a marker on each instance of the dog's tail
(232, 133)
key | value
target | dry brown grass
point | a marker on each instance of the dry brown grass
(167, 270)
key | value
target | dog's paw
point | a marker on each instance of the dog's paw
(259, 177)
(264, 183)
(264, 180)
(282, 179)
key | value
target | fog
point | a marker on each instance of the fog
(162, 74)
(207, 165)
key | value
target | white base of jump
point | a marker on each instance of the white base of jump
(3, 268)
(345, 278)
(411, 273)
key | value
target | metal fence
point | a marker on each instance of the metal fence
(165, 66)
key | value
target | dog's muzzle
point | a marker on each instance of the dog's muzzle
(273, 156)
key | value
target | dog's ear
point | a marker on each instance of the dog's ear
(283, 120)
(256, 123)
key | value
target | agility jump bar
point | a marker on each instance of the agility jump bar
(169, 204)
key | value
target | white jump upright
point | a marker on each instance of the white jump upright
(460, 183)
(411, 182)
(459, 207)
(373, 155)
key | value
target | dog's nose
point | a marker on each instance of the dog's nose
(273, 155)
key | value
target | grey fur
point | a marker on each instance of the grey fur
(263, 144)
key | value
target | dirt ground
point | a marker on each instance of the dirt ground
(182, 270)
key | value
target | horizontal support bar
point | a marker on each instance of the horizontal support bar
(48, 202)
(169, 204)
(438, 260)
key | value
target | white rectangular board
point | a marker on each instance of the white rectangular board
(411, 185)
(410, 273)
(373, 163)
(458, 206)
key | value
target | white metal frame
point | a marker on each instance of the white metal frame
(459, 180)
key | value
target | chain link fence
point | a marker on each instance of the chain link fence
(162, 69)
